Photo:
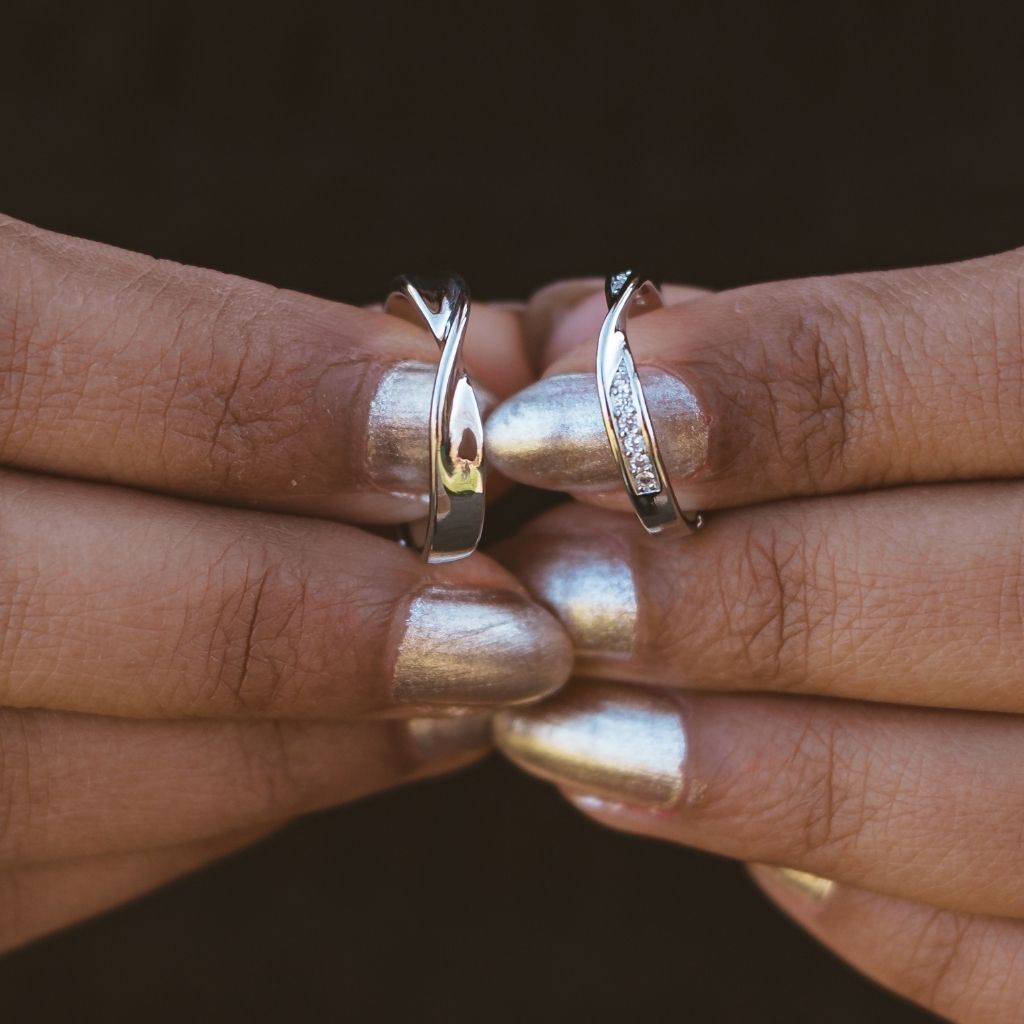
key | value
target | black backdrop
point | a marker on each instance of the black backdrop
(326, 148)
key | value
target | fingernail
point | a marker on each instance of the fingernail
(551, 434)
(588, 584)
(398, 429)
(481, 647)
(436, 739)
(812, 888)
(626, 746)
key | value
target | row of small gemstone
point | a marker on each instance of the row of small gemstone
(627, 424)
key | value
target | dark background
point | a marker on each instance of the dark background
(326, 148)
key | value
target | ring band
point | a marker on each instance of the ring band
(626, 420)
(456, 517)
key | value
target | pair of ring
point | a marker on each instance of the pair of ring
(455, 519)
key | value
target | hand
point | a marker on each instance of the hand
(872, 642)
(185, 666)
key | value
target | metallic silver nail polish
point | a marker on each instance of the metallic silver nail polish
(589, 586)
(397, 436)
(626, 745)
(551, 434)
(478, 647)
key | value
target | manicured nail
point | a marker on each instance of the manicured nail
(478, 647)
(437, 739)
(809, 887)
(626, 746)
(398, 431)
(588, 583)
(551, 434)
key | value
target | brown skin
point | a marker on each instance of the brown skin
(125, 369)
(908, 597)
(179, 676)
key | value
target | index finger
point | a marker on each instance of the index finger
(803, 387)
(118, 367)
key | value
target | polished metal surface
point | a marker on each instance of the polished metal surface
(627, 422)
(455, 428)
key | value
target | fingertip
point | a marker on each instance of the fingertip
(568, 315)
(547, 307)
(496, 348)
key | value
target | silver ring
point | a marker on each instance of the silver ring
(456, 517)
(626, 420)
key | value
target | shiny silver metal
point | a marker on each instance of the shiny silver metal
(626, 419)
(456, 517)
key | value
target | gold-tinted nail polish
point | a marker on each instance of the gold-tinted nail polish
(398, 430)
(478, 647)
(589, 585)
(625, 744)
(551, 434)
(436, 739)
(803, 883)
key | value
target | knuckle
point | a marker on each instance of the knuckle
(270, 777)
(253, 399)
(833, 800)
(266, 395)
(764, 606)
(811, 409)
(939, 960)
(830, 809)
(766, 596)
(254, 612)
(807, 377)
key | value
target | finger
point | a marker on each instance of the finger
(913, 803)
(803, 387)
(568, 314)
(121, 368)
(122, 603)
(42, 898)
(78, 786)
(908, 596)
(964, 967)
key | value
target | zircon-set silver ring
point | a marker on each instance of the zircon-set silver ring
(456, 516)
(626, 420)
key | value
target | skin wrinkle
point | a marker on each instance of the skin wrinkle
(856, 592)
(162, 300)
(245, 665)
(157, 784)
(120, 608)
(937, 950)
